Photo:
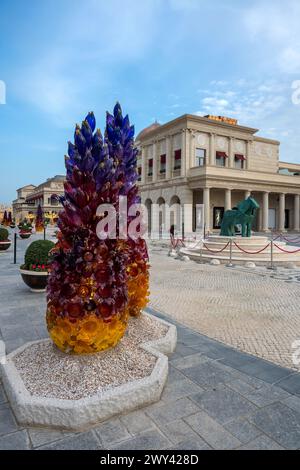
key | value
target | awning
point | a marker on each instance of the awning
(237, 156)
(163, 158)
(221, 155)
(177, 154)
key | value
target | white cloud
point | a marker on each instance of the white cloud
(213, 101)
(274, 26)
(250, 104)
(290, 60)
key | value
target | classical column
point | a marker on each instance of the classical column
(192, 149)
(144, 165)
(227, 199)
(230, 152)
(265, 212)
(297, 212)
(188, 150)
(212, 157)
(183, 153)
(247, 194)
(246, 162)
(168, 157)
(155, 160)
(154, 221)
(206, 203)
(281, 212)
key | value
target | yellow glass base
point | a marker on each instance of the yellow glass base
(86, 335)
(138, 293)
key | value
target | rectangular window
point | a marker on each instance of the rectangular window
(200, 157)
(139, 173)
(177, 159)
(221, 158)
(150, 167)
(239, 161)
(163, 163)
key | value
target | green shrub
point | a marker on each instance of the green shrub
(25, 226)
(38, 254)
(3, 234)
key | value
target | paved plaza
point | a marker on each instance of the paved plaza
(216, 397)
(254, 310)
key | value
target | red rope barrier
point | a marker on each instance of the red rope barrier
(297, 240)
(286, 251)
(282, 237)
(216, 251)
(252, 252)
(176, 242)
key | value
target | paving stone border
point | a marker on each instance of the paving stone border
(80, 414)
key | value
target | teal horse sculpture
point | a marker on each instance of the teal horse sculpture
(243, 215)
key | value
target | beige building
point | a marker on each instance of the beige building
(3, 208)
(216, 162)
(29, 197)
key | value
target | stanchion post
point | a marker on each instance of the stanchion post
(272, 267)
(230, 265)
(15, 249)
(272, 253)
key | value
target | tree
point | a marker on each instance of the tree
(95, 284)
(39, 221)
(5, 219)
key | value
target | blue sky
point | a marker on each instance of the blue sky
(60, 59)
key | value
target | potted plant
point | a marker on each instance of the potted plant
(25, 230)
(4, 241)
(34, 271)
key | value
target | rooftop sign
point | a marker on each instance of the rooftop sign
(222, 119)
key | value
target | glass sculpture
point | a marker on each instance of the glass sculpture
(39, 221)
(95, 285)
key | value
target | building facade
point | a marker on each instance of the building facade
(216, 162)
(29, 197)
(3, 208)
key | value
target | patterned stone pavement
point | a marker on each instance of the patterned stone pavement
(254, 310)
(215, 398)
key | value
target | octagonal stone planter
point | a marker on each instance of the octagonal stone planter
(36, 281)
(79, 414)
(5, 245)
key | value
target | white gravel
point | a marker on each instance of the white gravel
(50, 373)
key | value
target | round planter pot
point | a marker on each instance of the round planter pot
(36, 281)
(12, 226)
(5, 245)
(25, 235)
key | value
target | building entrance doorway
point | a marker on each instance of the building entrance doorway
(286, 218)
(272, 219)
